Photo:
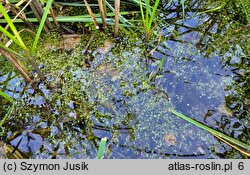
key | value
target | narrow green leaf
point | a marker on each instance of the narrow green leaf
(6, 97)
(213, 131)
(183, 9)
(81, 18)
(40, 28)
(153, 13)
(213, 9)
(147, 14)
(13, 28)
(161, 63)
(8, 34)
(11, 51)
(6, 115)
(142, 14)
(10, 109)
(101, 149)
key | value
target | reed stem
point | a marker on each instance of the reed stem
(91, 14)
(53, 16)
(104, 24)
(117, 13)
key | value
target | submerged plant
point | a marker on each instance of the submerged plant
(10, 109)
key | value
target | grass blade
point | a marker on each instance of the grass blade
(40, 28)
(142, 15)
(153, 13)
(10, 50)
(213, 9)
(213, 131)
(183, 9)
(101, 149)
(13, 28)
(161, 63)
(6, 115)
(6, 97)
(233, 146)
(8, 34)
(10, 109)
(81, 18)
(147, 14)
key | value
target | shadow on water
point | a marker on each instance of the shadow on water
(113, 96)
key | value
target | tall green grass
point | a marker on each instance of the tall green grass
(40, 28)
(148, 16)
(16, 38)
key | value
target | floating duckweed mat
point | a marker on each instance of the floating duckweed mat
(76, 106)
(112, 99)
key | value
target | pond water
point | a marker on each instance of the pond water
(125, 95)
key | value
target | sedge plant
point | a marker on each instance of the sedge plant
(16, 38)
(148, 16)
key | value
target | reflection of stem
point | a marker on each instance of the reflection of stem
(152, 151)
(213, 9)
(209, 26)
(116, 128)
(89, 42)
